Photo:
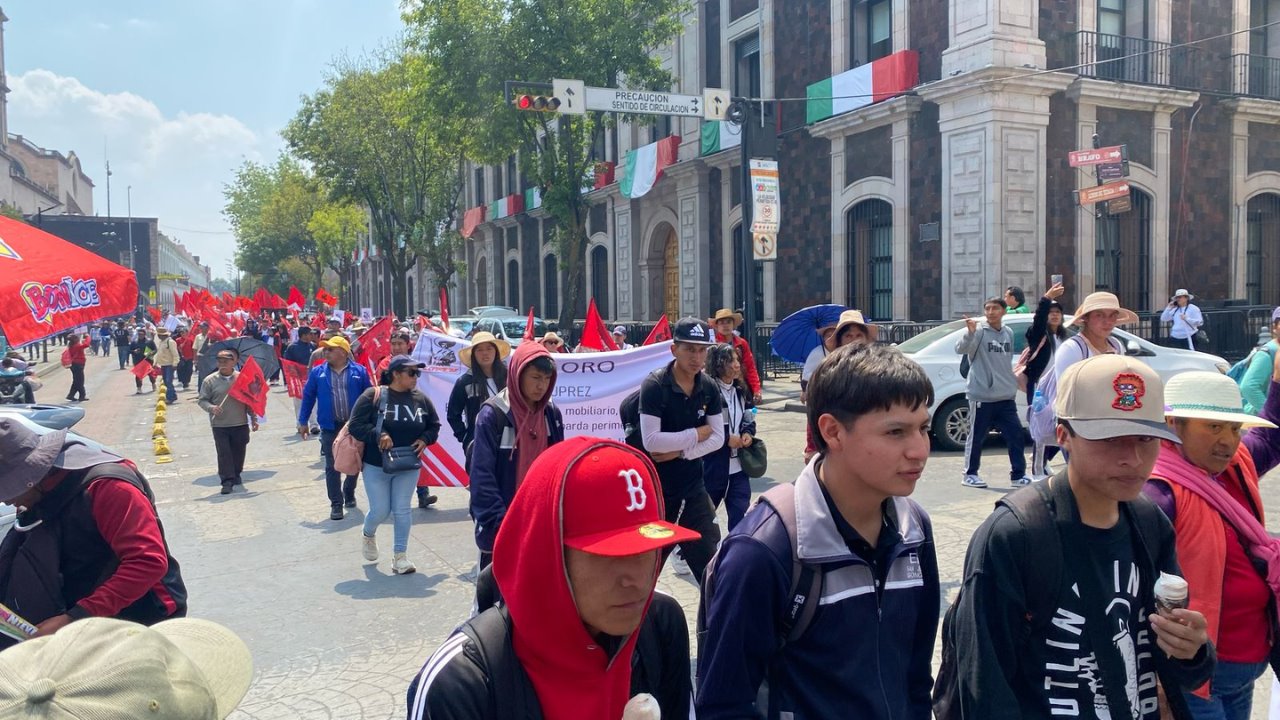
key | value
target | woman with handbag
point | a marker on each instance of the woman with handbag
(722, 470)
(396, 422)
(1046, 333)
(1185, 322)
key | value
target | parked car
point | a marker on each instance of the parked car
(460, 327)
(510, 328)
(935, 350)
(493, 311)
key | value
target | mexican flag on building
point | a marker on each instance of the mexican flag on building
(866, 84)
(720, 135)
(643, 167)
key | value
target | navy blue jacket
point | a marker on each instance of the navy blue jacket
(494, 461)
(318, 392)
(868, 650)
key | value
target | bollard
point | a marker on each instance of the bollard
(157, 430)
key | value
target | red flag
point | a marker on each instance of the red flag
(323, 297)
(528, 326)
(297, 300)
(142, 369)
(375, 344)
(444, 309)
(250, 387)
(295, 377)
(594, 333)
(660, 332)
(154, 312)
(319, 321)
(217, 329)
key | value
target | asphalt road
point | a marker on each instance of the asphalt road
(334, 636)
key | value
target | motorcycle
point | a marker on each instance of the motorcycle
(17, 387)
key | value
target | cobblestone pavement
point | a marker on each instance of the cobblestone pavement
(334, 636)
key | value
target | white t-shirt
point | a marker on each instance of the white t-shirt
(812, 362)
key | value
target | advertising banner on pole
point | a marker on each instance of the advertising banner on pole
(589, 389)
(766, 213)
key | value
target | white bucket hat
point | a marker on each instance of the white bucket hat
(1182, 292)
(1208, 396)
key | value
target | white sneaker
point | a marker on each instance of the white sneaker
(973, 481)
(369, 548)
(400, 564)
(1021, 482)
(679, 566)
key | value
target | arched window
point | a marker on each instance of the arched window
(869, 238)
(550, 287)
(600, 278)
(1122, 253)
(1262, 281)
(513, 283)
(482, 282)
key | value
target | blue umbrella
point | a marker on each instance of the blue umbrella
(797, 335)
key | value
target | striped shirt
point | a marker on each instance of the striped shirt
(338, 386)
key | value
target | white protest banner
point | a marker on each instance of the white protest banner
(589, 389)
(366, 316)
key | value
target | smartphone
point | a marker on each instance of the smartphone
(1055, 280)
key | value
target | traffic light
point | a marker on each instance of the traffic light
(536, 103)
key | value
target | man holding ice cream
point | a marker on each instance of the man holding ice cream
(1207, 484)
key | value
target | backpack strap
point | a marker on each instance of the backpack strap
(509, 687)
(806, 578)
(1042, 570)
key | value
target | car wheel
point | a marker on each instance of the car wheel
(951, 424)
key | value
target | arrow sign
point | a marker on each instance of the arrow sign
(1108, 155)
(571, 94)
(1099, 193)
(715, 103)
(643, 102)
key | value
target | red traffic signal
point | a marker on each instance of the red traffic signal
(536, 103)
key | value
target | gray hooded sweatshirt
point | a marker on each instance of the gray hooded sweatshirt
(991, 359)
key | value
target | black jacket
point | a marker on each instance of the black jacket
(1040, 329)
(468, 394)
(459, 690)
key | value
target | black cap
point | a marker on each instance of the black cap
(693, 331)
(400, 362)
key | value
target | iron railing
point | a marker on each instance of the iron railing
(1124, 58)
(1256, 76)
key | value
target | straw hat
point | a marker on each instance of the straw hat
(552, 338)
(727, 314)
(504, 348)
(1208, 396)
(1103, 301)
(854, 317)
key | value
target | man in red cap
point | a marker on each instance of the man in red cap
(576, 561)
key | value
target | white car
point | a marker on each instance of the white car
(935, 351)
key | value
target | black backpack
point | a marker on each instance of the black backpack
(629, 413)
(511, 694)
(1034, 508)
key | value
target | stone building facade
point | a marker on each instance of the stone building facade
(921, 205)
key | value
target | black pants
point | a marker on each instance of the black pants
(231, 443)
(184, 373)
(696, 513)
(1003, 415)
(77, 382)
(340, 490)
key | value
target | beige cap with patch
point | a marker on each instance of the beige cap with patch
(1109, 396)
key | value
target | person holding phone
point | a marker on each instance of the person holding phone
(1186, 321)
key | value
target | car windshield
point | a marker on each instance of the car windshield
(514, 328)
(461, 325)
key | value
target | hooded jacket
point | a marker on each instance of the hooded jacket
(573, 676)
(468, 396)
(991, 359)
(501, 436)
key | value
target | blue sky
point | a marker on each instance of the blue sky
(180, 92)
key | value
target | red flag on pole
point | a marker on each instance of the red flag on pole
(217, 329)
(375, 344)
(528, 326)
(295, 377)
(297, 300)
(142, 369)
(660, 332)
(594, 333)
(325, 298)
(444, 309)
(250, 387)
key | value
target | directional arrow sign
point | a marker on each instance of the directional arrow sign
(572, 96)
(642, 102)
(1099, 193)
(1082, 158)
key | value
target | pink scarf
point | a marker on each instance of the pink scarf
(1257, 542)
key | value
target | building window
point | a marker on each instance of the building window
(746, 68)
(479, 186)
(740, 259)
(662, 127)
(869, 234)
(550, 287)
(871, 31)
(482, 282)
(1262, 282)
(600, 278)
(512, 178)
(1122, 253)
(513, 283)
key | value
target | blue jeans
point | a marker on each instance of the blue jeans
(170, 392)
(1232, 692)
(734, 490)
(389, 494)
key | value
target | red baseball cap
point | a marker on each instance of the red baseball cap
(612, 502)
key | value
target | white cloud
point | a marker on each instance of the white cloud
(176, 164)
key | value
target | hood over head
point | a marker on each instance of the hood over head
(530, 427)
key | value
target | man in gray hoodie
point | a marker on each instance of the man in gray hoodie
(992, 389)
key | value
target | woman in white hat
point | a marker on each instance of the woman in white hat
(1208, 487)
(1185, 318)
(486, 375)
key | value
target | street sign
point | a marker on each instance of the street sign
(1113, 171)
(764, 246)
(572, 94)
(716, 103)
(1098, 156)
(643, 102)
(766, 209)
(1119, 205)
(1099, 193)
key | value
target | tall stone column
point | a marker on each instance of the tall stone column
(694, 215)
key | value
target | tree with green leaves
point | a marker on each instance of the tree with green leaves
(475, 45)
(375, 134)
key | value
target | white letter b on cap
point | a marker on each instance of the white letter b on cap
(635, 489)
